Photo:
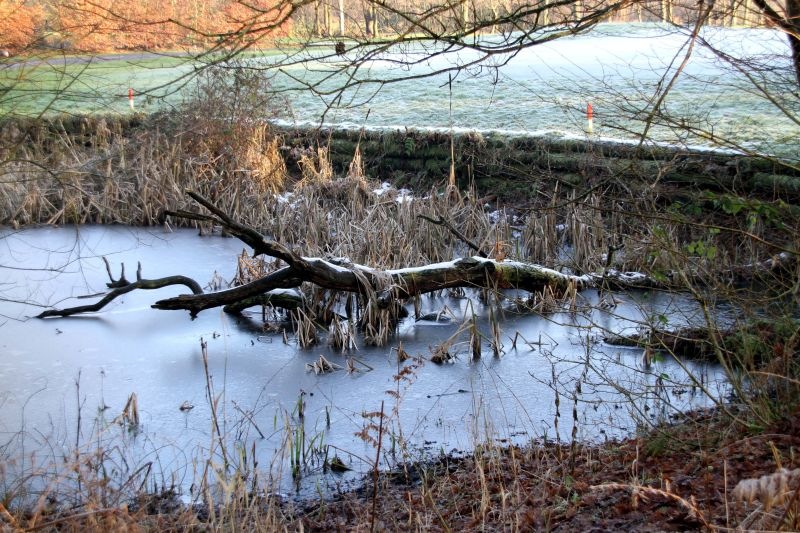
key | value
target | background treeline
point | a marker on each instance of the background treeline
(110, 25)
(121, 25)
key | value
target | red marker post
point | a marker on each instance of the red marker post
(589, 118)
(130, 97)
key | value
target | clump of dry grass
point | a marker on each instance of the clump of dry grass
(100, 491)
(262, 158)
(586, 232)
(315, 167)
(133, 176)
(117, 170)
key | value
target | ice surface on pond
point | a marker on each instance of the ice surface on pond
(129, 347)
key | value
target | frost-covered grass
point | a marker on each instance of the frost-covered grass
(620, 68)
(67, 84)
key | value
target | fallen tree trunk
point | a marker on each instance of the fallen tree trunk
(695, 343)
(341, 275)
(382, 286)
(757, 340)
(236, 298)
(387, 285)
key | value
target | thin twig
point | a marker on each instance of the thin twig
(375, 470)
(442, 222)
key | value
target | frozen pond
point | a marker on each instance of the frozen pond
(260, 376)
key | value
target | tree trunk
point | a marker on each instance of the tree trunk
(666, 11)
(789, 22)
(746, 13)
(367, 12)
(384, 287)
(793, 16)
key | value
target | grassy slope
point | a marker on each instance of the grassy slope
(62, 85)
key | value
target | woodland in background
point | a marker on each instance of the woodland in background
(124, 25)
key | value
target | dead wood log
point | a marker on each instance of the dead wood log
(694, 343)
(388, 285)
(342, 275)
(123, 286)
(236, 299)
(384, 286)
(765, 337)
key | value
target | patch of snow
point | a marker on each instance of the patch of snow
(403, 196)
(294, 293)
(284, 198)
(384, 188)
(417, 270)
(332, 266)
(543, 270)
(629, 277)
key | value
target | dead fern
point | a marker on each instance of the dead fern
(770, 490)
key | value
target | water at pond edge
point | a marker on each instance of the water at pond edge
(130, 348)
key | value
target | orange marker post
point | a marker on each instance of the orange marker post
(130, 97)
(589, 118)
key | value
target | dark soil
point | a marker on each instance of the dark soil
(694, 467)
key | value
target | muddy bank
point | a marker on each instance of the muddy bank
(697, 475)
(690, 476)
